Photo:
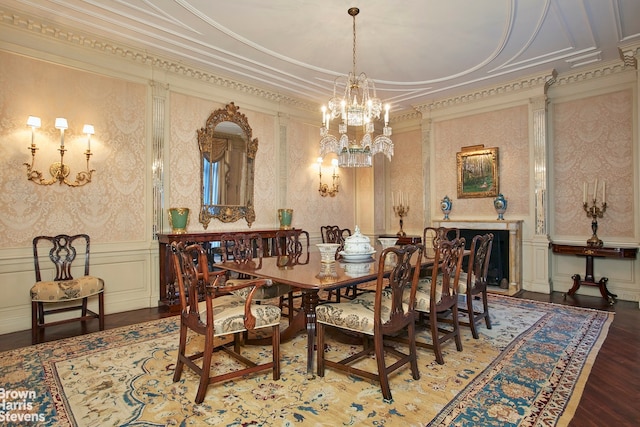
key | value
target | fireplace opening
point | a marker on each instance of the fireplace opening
(498, 273)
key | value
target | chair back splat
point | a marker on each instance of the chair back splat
(377, 315)
(63, 250)
(234, 315)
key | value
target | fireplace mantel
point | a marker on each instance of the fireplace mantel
(515, 243)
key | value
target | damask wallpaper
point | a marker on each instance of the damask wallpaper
(112, 207)
(593, 138)
(506, 129)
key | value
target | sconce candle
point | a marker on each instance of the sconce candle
(59, 170)
(324, 189)
(61, 123)
(88, 129)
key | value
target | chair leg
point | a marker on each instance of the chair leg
(206, 368)
(101, 310)
(34, 322)
(383, 377)
(320, 350)
(456, 327)
(177, 372)
(275, 344)
(413, 351)
(433, 324)
(485, 305)
(472, 316)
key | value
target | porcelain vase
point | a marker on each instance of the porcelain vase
(285, 216)
(500, 204)
(178, 219)
(445, 206)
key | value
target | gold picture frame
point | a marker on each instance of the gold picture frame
(477, 172)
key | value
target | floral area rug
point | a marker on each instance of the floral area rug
(529, 370)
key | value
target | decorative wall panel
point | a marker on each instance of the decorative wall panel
(593, 138)
(112, 207)
(506, 129)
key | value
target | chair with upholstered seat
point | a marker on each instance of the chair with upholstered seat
(377, 315)
(222, 313)
(473, 282)
(64, 290)
(438, 294)
(292, 248)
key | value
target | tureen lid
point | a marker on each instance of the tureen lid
(357, 237)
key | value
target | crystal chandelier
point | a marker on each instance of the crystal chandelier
(358, 107)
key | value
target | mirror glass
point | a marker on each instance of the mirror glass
(227, 153)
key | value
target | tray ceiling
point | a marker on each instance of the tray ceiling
(415, 50)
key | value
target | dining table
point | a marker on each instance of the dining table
(311, 277)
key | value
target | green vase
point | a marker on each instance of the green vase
(178, 218)
(285, 216)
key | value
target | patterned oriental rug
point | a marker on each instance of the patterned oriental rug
(529, 370)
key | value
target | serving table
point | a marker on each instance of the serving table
(310, 278)
(591, 252)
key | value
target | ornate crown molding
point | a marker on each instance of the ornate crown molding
(604, 70)
(60, 34)
(543, 81)
(629, 55)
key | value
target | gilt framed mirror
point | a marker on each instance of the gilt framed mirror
(227, 157)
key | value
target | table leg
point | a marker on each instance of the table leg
(309, 303)
(602, 285)
(576, 284)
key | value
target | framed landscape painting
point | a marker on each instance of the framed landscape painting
(477, 172)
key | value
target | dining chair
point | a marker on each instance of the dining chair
(292, 248)
(221, 314)
(377, 315)
(246, 249)
(432, 236)
(438, 294)
(473, 282)
(335, 234)
(63, 288)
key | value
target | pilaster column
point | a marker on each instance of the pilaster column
(425, 125)
(158, 131)
(538, 108)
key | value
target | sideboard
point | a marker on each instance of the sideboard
(169, 296)
(514, 228)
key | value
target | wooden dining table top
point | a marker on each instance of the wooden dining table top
(311, 274)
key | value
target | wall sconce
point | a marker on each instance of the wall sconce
(58, 170)
(323, 189)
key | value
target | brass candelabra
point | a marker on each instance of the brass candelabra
(594, 212)
(401, 210)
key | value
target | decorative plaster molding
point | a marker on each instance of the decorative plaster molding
(539, 80)
(590, 74)
(62, 35)
(629, 55)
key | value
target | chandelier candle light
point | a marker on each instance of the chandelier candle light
(400, 204)
(358, 107)
(594, 212)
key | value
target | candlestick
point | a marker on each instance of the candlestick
(594, 212)
(401, 209)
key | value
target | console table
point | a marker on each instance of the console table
(169, 296)
(590, 252)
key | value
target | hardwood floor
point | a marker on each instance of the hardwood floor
(610, 396)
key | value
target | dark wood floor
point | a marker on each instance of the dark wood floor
(611, 395)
